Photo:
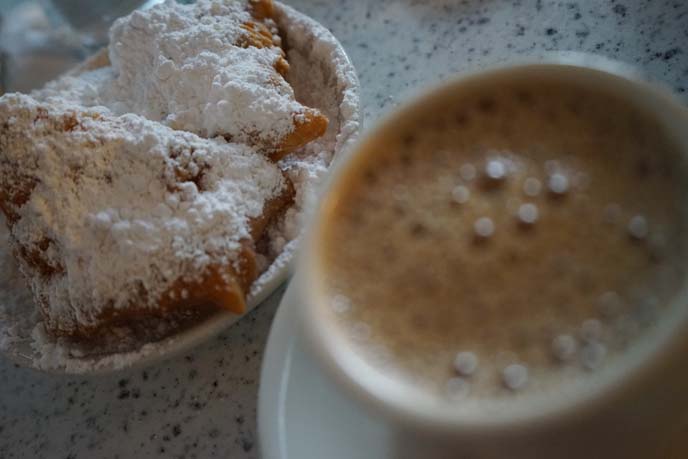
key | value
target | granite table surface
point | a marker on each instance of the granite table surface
(203, 403)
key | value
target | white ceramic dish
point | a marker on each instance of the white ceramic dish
(334, 76)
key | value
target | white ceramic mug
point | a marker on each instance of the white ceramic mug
(637, 408)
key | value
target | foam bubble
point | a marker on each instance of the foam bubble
(465, 363)
(484, 227)
(637, 227)
(495, 169)
(532, 186)
(467, 172)
(515, 376)
(461, 194)
(528, 213)
(558, 183)
(593, 354)
(564, 347)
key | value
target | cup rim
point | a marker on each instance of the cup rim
(412, 406)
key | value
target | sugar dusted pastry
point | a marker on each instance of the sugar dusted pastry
(117, 220)
(214, 68)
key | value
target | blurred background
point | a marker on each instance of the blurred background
(39, 39)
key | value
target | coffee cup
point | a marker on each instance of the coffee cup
(491, 197)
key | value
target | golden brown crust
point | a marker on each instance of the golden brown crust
(262, 9)
(258, 35)
(261, 33)
(220, 286)
(308, 126)
(273, 209)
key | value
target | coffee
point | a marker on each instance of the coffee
(515, 236)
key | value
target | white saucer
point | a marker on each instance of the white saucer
(301, 414)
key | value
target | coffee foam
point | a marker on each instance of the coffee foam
(483, 225)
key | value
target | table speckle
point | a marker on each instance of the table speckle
(203, 404)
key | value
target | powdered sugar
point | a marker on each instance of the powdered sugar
(184, 65)
(322, 77)
(112, 198)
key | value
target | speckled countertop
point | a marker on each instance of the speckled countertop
(203, 404)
